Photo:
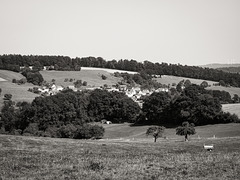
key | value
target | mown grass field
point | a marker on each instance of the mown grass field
(19, 92)
(48, 158)
(232, 108)
(174, 79)
(166, 79)
(126, 131)
(92, 77)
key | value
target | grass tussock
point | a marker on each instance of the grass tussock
(46, 158)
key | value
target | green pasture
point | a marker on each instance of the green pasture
(48, 158)
(19, 92)
(92, 77)
(232, 108)
(167, 79)
(174, 79)
(127, 131)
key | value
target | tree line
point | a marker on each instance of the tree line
(230, 69)
(67, 114)
(14, 62)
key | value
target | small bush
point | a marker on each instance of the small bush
(104, 77)
(84, 83)
(17, 132)
(7, 96)
(89, 131)
(95, 166)
(67, 131)
(31, 129)
(51, 131)
(78, 83)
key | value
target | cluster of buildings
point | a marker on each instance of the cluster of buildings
(134, 93)
(51, 90)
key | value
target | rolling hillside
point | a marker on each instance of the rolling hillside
(174, 79)
(126, 131)
(215, 66)
(232, 108)
(166, 79)
(93, 77)
(19, 92)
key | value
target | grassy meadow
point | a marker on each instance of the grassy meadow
(92, 77)
(232, 108)
(48, 158)
(167, 79)
(19, 92)
(174, 79)
(127, 132)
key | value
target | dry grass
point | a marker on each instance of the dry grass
(45, 158)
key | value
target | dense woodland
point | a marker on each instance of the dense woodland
(67, 114)
(194, 104)
(14, 62)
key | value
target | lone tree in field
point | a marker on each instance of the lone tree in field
(185, 130)
(155, 131)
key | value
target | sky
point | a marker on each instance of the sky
(189, 32)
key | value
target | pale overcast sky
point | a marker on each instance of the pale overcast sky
(192, 32)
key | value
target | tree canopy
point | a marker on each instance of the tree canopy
(193, 104)
(185, 130)
(156, 132)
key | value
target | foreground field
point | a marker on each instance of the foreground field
(46, 158)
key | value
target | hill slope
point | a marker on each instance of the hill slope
(92, 77)
(232, 108)
(175, 79)
(19, 92)
(215, 66)
(126, 131)
(24, 157)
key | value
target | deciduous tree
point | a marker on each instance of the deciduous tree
(156, 132)
(185, 130)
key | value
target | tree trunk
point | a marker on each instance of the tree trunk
(186, 137)
(155, 139)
